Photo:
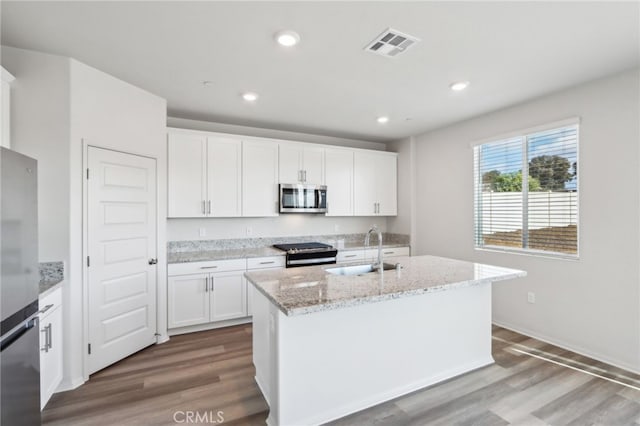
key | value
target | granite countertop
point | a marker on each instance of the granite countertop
(249, 252)
(48, 286)
(51, 274)
(299, 291)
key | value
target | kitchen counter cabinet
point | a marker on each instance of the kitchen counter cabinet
(326, 346)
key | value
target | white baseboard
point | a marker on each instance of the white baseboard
(163, 338)
(67, 385)
(208, 326)
(569, 347)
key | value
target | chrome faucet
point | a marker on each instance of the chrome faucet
(375, 229)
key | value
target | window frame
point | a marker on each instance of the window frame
(525, 134)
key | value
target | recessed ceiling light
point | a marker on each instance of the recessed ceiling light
(459, 85)
(250, 96)
(382, 120)
(287, 38)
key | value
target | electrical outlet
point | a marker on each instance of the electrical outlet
(249, 230)
(531, 297)
(202, 232)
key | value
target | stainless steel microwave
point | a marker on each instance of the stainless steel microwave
(298, 198)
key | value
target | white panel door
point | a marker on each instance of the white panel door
(186, 176)
(290, 164)
(364, 184)
(259, 178)
(228, 296)
(313, 165)
(224, 177)
(122, 254)
(188, 300)
(339, 181)
(387, 185)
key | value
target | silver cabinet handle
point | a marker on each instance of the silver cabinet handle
(211, 284)
(206, 284)
(304, 174)
(267, 263)
(47, 338)
(388, 252)
(204, 211)
(208, 267)
(350, 255)
(45, 309)
(50, 335)
(209, 207)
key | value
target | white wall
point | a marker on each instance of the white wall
(591, 305)
(404, 222)
(57, 103)
(109, 113)
(209, 126)
(40, 129)
(281, 226)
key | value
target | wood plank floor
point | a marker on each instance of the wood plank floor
(531, 383)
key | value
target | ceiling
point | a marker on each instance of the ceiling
(328, 84)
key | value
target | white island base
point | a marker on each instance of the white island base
(321, 366)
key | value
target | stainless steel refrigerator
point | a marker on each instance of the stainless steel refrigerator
(19, 338)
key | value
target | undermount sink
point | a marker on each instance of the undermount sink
(359, 269)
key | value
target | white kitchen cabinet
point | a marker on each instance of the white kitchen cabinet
(188, 297)
(388, 254)
(375, 184)
(204, 175)
(206, 292)
(186, 175)
(261, 264)
(224, 177)
(259, 178)
(228, 296)
(301, 163)
(5, 107)
(339, 180)
(50, 344)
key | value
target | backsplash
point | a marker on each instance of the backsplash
(51, 271)
(243, 243)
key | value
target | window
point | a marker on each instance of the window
(538, 214)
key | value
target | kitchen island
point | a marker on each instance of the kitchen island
(325, 346)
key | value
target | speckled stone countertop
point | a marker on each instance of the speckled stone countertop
(242, 248)
(299, 291)
(51, 274)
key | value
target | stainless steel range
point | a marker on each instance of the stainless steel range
(308, 254)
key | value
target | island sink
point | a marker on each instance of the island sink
(360, 269)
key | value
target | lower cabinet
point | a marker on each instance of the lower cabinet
(371, 254)
(202, 298)
(50, 344)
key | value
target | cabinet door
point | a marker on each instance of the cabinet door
(339, 181)
(50, 354)
(387, 185)
(229, 297)
(186, 175)
(224, 177)
(188, 297)
(259, 178)
(364, 183)
(313, 166)
(290, 164)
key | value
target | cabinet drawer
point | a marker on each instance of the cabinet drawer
(207, 267)
(50, 302)
(266, 262)
(350, 256)
(388, 252)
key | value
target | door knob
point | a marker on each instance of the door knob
(153, 261)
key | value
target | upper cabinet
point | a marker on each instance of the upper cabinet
(218, 175)
(260, 178)
(5, 107)
(375, 183)
(339, 178)
(301, 163)
(186, 175)
(204, 176)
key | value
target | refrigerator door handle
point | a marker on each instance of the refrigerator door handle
(16, 332)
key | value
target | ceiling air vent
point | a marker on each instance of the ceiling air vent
(391, 43)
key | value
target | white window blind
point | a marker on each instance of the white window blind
(537, 214)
